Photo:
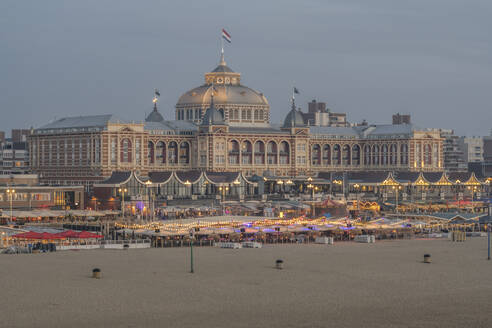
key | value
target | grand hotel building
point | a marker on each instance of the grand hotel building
(224, 126)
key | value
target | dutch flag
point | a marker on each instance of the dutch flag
(226, 36)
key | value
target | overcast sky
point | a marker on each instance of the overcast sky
(370, 59)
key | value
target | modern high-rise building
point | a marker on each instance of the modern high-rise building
(401, 119)
(319, 115)
(14, 153)
(454, 158)
(472, 148)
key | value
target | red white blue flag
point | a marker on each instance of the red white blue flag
(226, 36)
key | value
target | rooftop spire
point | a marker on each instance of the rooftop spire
(222, 60)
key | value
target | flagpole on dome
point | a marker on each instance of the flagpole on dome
(155, 98)
(224, 36)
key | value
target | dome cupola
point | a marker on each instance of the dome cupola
(294, 118)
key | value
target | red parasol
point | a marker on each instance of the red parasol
(36, 235)
(28, 235)
(86, 234)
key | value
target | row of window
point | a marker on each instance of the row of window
(234, 114)
(170, 153)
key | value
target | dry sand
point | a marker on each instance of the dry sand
(345, 285)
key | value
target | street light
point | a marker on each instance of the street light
(356, 187)
(397, 190)
(281, 189)
(11, 193)
(122, 191)
(148, 183)
(223, 190)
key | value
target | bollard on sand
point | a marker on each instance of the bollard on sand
(279, 264)
(427, 258)
(96, 273)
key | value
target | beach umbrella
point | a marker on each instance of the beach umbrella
(28, 235)
(67, 234)
(87, 235)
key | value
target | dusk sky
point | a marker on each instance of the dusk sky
(370, 59)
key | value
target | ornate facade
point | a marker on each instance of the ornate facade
(223, 126)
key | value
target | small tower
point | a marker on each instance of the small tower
(155, 116)
(213, 120)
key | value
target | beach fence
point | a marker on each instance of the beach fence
(365, 239)
(324, 240)
(124, 244)
(108, 244)
(457, 236)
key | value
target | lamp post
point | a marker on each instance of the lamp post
(11, 193)
(289, 183)
(148, 183)
(356, 187)
(223, 190)
(192, 235)
(397, 194)
(122, 191)
(281, 189)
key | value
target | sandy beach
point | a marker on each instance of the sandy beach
(345, 285)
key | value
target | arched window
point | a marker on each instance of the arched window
(384, 155)
(393, 154)
(160, 152)
(375, 155)
(150, 152)
(233, 152)
(260, 115)
(435, 155)
(427, 154)
(246, 152)
(272, 152)
(316, 154)
(184, 153)
(326, 155)
(243, 115)
(249, 114)
(356, 155)
(284, 153)
(367, 155)
(173, 153)
(256, 117)
(137, 152)
(346, 155)
(337, 156)
(404, 154)
(259, 152)
(126, 151)
(418, 154)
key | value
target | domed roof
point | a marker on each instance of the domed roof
(224, 94)
(294, 118)
(223, 68)
(228, 90)
(154, 116)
